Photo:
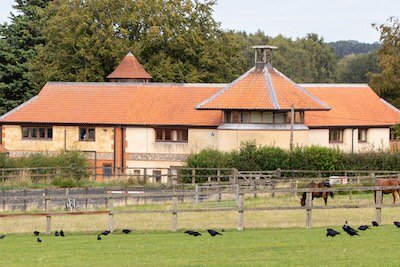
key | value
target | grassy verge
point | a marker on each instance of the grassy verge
(270, 247)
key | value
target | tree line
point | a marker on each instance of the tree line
(176, 41)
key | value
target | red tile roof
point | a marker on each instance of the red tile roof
(118, 103)
(265, 89)
(129, 68)
(352, 105)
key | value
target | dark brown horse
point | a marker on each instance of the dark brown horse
(388, 182)
(324, 195)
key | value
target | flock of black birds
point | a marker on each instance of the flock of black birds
(351, 231)
(210, 231)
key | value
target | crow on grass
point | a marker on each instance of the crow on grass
(62, 233)
(193, 233)
(375, 224)
(331, 232)
(39, 240)
(397, 224)
(2, 236)
(213, 232)
(126, 231)
(363, 227)
(56, 233)
(105, 232)
(36, 233)
(349, 230)
(98, 237)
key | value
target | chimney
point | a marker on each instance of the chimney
(263, 56)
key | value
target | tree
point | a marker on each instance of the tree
(19, 38)
(344, 48)
(177, 41)
(357, 68)
(387, 82)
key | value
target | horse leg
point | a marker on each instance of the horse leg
(326, 199)
(375, 196)
(394, 196)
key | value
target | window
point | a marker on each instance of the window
(335, 136)
(87, 134)
(394, 134)
(157, 176)
(267, 117)
(169, 135)
(107, 170)
(245, 117)
(362, 135)
(37, 133)
(280, 117)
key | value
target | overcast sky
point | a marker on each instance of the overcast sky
(332, 19)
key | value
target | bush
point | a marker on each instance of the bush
(262, 158)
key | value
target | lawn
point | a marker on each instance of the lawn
(269, 247)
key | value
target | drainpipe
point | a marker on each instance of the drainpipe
(352, 140)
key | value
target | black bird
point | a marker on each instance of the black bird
(62, 233)
(189, 232)
(36, 233)
(397, 224)
(195, 233)
(375, 224)
(363, 227)
(2, 236)
(39, 240)
(213, 232)
(56, 233)
(98, 237)
(331, 232)
(222, 230)
(126, 231)
(105, 232)
(349, 230)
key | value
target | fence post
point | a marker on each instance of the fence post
(308, 209)
(235, 175)
(349, 184)
(278, 173)
(219, 185)
(196, 199)
(174, 224)
(110, 214)
(378, 205)
(25, 201)
(47, 203)
(193, 176)
(240, 212)
(372, 174)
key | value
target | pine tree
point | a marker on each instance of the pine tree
(19, 37)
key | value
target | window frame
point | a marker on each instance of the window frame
(366, 135)
(341, 135)
(36, 129)
(86, 138)
(182, 135)
(236, 116)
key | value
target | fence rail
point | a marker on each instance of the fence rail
(175, 195)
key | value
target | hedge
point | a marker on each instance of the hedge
(252, 157)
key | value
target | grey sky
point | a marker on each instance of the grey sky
(333, 19)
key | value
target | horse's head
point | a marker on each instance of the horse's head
(326, 184)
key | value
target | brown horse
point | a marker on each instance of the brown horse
(388, 182)
(324, 195)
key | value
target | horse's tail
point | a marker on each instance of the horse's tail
(331, 194)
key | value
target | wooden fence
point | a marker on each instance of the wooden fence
(176, 195)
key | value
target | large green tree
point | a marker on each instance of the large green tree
(387, 82)
(177, 41)
(18, 39)
(357, 68)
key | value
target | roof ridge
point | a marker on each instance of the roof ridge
(390, 105)
(355, 85)
(140, 84)
(225, 89)
(302, 89)
(271, 88)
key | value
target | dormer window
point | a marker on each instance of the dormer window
(262, 117)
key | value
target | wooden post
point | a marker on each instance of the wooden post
(4, 200)
(86, 200)
(219, 185)
(278, 173)
(240, 212)
(349, 182)
(25, 201)
(197, 194)
(373, 178)
(174, 224)
(110, 214)
(296, 185)
(235, 175)
(145, 175)
(193, 176)
(308, 209)
(47, 203)
(378, 206)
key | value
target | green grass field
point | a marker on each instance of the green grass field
(269, 247)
